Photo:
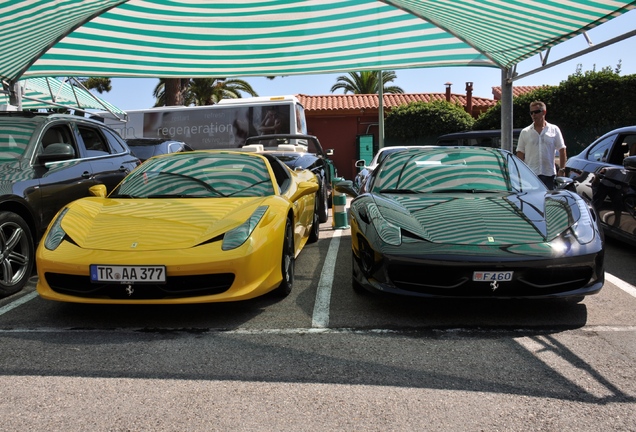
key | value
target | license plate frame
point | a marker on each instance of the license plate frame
(493, 276)
(128, 274)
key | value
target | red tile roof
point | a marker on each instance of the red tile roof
(370, 101)
(516, 90)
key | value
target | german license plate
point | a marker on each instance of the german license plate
(485, 276)
(128, 274)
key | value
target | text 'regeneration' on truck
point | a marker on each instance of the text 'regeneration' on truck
(226, 124)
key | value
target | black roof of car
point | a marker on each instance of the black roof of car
(148, 141)
(478, 134)
(43, 117)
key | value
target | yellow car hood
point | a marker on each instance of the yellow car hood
(153, 224)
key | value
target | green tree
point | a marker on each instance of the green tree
(208, 91)
(423, 122)
(584, 106)
(199, 91)
(169, 91)
(366, 82)
(97, 83)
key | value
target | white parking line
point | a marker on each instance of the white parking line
(629, 289)
(14, 304)
(320, 318)
(455, 332)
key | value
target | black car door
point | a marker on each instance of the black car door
(109, 158)
(614, 190)
(60, 182)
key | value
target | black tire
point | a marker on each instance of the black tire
(630, 205)
(323, 205)
(287, 263)
(18, 253)
(575, 299)
(314, 234)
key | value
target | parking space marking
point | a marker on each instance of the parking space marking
(432, 331)
(628, 288)
(14, 304)
(320, 318)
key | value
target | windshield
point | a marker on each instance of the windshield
(382, 155)
(14, 138)
(144, 152)
(200, 175)
(435, 170)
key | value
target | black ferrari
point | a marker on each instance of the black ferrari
(471, 222)
(300, 152)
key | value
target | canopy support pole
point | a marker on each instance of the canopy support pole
(506, 108)
(12, 88)
(380, 111)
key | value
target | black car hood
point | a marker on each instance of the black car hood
(293, 160)
(491, 219)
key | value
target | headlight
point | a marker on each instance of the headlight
(237, 236)
(583, 229)
(56, 233)
(388, 232)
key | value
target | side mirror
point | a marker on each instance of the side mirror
(329, 152)
(98, 190)
(630, 163)
(564, 183)
(346, 187)
(57, 152)
(305, 188)
(360, 163)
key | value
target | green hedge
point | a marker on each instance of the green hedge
(419, 122)
(585, 106)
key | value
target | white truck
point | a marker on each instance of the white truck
(226, 124)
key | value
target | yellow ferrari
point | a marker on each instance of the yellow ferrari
(195, 227)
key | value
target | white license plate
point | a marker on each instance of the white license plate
(128, 274)
(484, 276)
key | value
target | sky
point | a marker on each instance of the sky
(136, 93)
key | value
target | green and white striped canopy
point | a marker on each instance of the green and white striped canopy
(225, 38)
(40, 93)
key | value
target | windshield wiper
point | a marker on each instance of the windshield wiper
(248, 187)
(171, 196)
(400, 191)
(462, 191)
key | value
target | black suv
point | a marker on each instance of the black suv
(47, 161)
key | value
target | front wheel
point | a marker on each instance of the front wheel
(323, 197)
(18, 252)
(630, 204)
(287, 262)
(314, 232)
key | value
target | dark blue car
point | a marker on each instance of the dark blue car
(605, 174)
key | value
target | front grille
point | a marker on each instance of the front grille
(457, 280)
(175, 287)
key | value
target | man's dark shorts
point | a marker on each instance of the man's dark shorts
(548, 181)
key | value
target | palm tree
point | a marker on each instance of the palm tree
(366, 82)
(200, 91)
(96, 83)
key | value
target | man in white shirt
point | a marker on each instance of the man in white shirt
(538, 144)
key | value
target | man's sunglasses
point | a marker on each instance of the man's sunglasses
(536, 112)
